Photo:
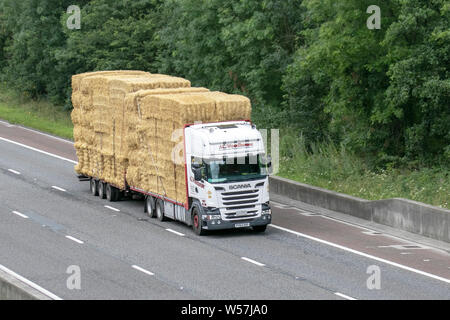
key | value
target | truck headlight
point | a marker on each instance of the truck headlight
(266, 209)
(213, 217)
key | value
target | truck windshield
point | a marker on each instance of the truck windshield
(245, 168)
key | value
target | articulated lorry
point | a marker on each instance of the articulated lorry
(193, 154)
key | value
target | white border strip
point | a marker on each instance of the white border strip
(37, 150)
(31, 284)
(363, 254)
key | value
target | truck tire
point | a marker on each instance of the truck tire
(102, 190)
(93, 186)
(160, 211)
(259, 229)
(150, 206)
(112, 193)
(197, 222)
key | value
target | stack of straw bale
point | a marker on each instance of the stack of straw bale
(128, 126)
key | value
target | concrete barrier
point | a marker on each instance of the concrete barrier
(11, 288)
(408, 215)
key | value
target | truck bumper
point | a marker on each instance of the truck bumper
(226, 224)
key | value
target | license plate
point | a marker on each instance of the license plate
(242, 225)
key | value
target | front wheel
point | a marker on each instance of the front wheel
(94, 186)
(197, 222)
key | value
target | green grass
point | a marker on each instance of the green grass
(337, 169)
(41, 115)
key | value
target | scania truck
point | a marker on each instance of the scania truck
(219, 182)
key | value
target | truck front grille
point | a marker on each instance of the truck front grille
(240, 201)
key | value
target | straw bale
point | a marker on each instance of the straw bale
(131, 122)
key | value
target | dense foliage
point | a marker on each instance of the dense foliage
(312, 66)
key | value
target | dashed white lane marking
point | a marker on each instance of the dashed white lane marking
(112, 208)
(405, 246)
(14, 171)
(59, 189)
(143, 270)
(176, 232)
(372, 233)
(426, 260)
(31, 284)
(363, 254)
(74, 239)
(277, 227)
(305, 213)
(20, 214)
(37, 150)
(253, 261)
(344, 296)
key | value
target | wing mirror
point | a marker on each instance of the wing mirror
(197, 170)
(267, 161)
(197, 174)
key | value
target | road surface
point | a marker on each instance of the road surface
(51, 224)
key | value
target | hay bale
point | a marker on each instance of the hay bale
(132, 122)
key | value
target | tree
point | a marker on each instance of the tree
(235, 46)
(417, 101)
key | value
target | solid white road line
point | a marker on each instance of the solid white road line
(7, 124)
(363, 254)
(253, 261)
(112, 208)
(74, 239)
(20, 214)
(37, 150)
(59, 189)
(14, 171)
(45, 134)
(278, 227)
(31, 284)
(344, 296)
(176, 232)
(143, 270)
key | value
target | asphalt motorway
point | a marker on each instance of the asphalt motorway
(50, 223)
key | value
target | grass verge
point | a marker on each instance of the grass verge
(41, 115)
(335, 168)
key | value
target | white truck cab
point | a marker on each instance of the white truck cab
(227, 176)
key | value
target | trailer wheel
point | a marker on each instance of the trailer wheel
(197, 222)
(94, 186)
(112, 193)
(150, 206)
(102, 190)
(160, 211)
